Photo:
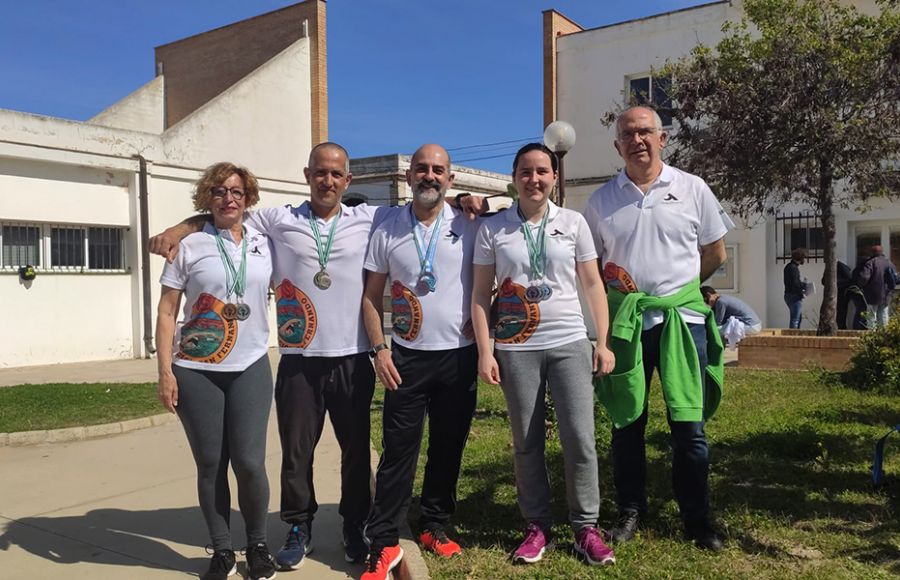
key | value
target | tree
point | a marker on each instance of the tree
(800, 102)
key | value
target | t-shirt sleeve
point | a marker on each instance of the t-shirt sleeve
(263, 220)
(584, 242)
(484, 246)
(592, 218)
(376, 257)
(714, 221)
(174, 275)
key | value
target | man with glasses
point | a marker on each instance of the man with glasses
(648, 223)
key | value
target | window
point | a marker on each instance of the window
(21, 245)
(650, 90)
(798, 230)
(63, 248)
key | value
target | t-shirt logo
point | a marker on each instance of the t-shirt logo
(618, 278)
(406, 312)
(207, 337)
(296, 317)
(669, 198)
(517, 318)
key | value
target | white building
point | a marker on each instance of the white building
(588, 72)
(381, 180)
(78, 199)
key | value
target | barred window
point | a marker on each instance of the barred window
(21, 246)
(62, 247)
(105, 248)
(66, 247)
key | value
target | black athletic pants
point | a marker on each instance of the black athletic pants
(305, 388)
(441, 384)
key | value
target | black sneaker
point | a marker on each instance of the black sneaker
(626, 526)
(221, 566)
(355, 547)
(704, 535)
(260, 563)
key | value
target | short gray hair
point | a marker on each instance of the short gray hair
(328, 145)
(657, 120)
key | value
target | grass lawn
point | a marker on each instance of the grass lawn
(790, 488)
(54, 406)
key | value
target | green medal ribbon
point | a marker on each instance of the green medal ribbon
(537, 245)
(324, 251)
(235, 279)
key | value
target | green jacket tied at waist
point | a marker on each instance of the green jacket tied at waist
(688, 396)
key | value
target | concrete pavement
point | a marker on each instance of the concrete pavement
(125, 506)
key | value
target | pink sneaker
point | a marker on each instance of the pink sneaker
(532, 548)
(589, 544)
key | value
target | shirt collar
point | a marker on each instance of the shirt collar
(306, 209)
(666, 176)
(512, 213)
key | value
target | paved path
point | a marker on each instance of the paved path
(126, 507)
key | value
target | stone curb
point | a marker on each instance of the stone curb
(81, 433)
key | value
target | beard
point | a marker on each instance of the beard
(428, 195)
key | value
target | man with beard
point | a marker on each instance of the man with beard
(319, 248)
(431, 368)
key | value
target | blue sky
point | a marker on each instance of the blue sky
(400, 72)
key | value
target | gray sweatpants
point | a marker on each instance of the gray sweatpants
(225, 416)
(524, 378)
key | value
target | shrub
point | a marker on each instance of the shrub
(875, 364)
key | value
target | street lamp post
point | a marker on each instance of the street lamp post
(559, 137)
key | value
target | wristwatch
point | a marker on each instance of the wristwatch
(378, 348)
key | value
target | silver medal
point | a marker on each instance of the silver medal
(533, 294)
(243, 312)
(322, 280)
(546, 291)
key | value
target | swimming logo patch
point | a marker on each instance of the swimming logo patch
(617, 277)
(517, 318)
(207, 337)
(406, 312)
(296, 316)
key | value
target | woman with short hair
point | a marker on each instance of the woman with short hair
(214, 365)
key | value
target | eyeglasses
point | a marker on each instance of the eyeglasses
(221, 191)
(643, 133)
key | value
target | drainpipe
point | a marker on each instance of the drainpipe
(143, 213)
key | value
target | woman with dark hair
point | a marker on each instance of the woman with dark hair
(214, 365)
(536, 250)
(795, 287)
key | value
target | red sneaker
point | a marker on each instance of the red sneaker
(381, 561)
(437, 541)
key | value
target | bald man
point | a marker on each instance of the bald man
(430, 369)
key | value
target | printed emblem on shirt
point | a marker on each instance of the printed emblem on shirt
(296, 314)
(617, 277)
(207, 337)
(406, 312)
(517, 318)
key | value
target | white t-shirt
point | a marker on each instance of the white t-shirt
(427, 320)
(312, 321)
(652, 242)
(204, 339)
(522, 325)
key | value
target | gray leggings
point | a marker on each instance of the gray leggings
(524, 378)
(225, 416)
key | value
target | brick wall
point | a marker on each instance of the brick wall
(781, 349)
(200, 67)
(555, 25)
